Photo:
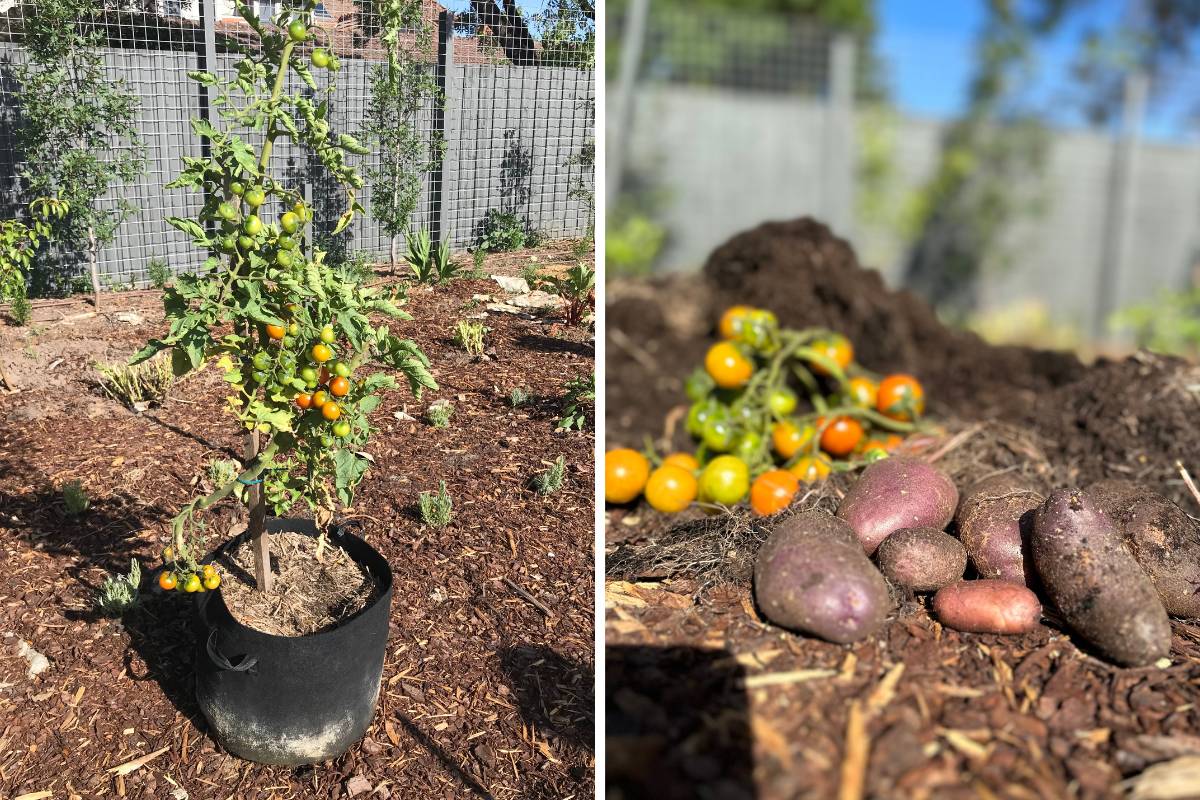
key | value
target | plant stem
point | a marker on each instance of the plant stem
(251, 473)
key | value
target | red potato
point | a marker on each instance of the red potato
(921, 559)
(995, 519)
(1094, 581)
(812, 576)
(897, 492)
(987, 606)
(1163, 538)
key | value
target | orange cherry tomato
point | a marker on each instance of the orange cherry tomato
(685, 460)
(789, 439)
(331, 411)
(901, 397)
(810, 469)
(167, 581)
(837, 349)
(339, 387)
(893, 441)
(625, 474)
(841, 436)
(772, 491)
(319, 399)
(730, 326)
(671, 488)
(727, 366)
(321, 353)
(276, 332)
(862, 392)
(304, 400)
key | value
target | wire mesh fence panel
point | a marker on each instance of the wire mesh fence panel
(487, 130)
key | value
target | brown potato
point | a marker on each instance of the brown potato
(1163, 538)
(897, 492)
(812, 576)
(921, 559)
(1094, 581)
(987, 606)
(995, 519)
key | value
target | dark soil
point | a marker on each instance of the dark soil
(484, 695)
(916, 710)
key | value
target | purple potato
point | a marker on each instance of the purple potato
(897, 492)
(921, 559)
(995, 520)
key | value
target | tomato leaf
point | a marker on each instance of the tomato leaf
(191, 228)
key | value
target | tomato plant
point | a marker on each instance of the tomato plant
(270, 322)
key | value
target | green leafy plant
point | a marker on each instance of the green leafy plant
(270, 314)
(357, 267)
(18, 243)
(75, 498)
(158, 272)
(531, 272)
(551, 480)
(477, 256)
(400, 88)
(222, 471)
(518, 397)
(1169, 324)
(581, 249)
(576, 287)
(439, 413)
(118, 594)
(502, 231)
(136, 386)
(445, 267)
(436, 509)
(420, 257)
(632, 241)
(77, 135)
(579, 402)
(469, 336)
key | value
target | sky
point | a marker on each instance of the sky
(927, 48)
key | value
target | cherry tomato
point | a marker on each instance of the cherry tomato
(328, 335)
(730, 326)
(787, 439)
(255, 197)
(670, 489)
(309, 376)
(837, 349)
(339, 387)
(276, 332)
(901, 397)
(727, 366)
(862, 392)
(245, 242)
(699, 414)
(289, 222)
(283, 259)
(810, 469)
(725, 480)
(228, 244)
(286, 242)
(319, 399)
(262, 360)
(841, 436)
(321, 353)
(320, 58)
(342, 369)
(685, 460)
(893, 441)
(758, 329)
(298, 31)
(212, 581)
(698, 386)
(772, 491)
(873, 454)
(227, 211)
(237, 188)
(304, 400)
(192, 584)
(341, 429)
(331, 411)
(625, 474)
(168, 553)
(293, 328)
(782, 401)
(167, 581)
(252, 226)
(748, 447)
(718, 434)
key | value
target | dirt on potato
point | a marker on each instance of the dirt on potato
(916, 709)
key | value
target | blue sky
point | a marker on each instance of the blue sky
(927, 49)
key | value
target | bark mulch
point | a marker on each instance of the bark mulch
(484, 694)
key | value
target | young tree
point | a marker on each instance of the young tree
(78, 138)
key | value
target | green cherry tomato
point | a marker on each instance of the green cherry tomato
(341, 369)
(725, 480)
(699, 385)
(747, 447)
(698, 415)
(302, 211)
(259, 376)
(718, 434)
(327, 334)
(227, 211)
(309, 375)
(290, 222)
(298, 31)
(237, 188)
(228, 244)
(782, 401)
(320, 58)
(288, 341)
(341, 429)
(283, 259)
(245, 242)
(293, 329)
(262, 361)
(286, 242)
(255, 197)
(252, 226)
(326, 441)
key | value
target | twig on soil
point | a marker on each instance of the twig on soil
(528, 597)
(955, 441)
(1187, 479)
(137, 763)
(854, 763)
(637, 353)
(786, 678)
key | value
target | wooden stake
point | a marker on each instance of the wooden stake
(258, 521)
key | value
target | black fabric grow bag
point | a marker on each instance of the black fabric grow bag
(293, 700)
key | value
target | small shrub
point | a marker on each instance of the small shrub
(20, 310)
(158, 273)
(478, 255)
(577, 288)
(439, 413)
(551, 480)
(531, 273)
(580, 396)
(119, 594)
(358, 267)
(137, 386)
(502, 231)
(75, 498)
(469, 336)
(581, 249)
(437, 509)
(518, 397)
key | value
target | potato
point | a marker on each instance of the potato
(812, 576)
(987, 606)
(921, 559)
(897, 492)
(1089, 574)
(1163, 539)
(995, 519)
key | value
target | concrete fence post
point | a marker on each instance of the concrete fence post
(839, 161)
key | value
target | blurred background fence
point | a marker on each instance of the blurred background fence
(723, 117)
(505, 129)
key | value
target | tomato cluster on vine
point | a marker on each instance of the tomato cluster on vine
(771, 409)
(185, 576)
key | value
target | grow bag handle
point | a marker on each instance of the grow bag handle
(246, 664)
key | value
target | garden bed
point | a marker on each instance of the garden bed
(702, 688)
(484, 692)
